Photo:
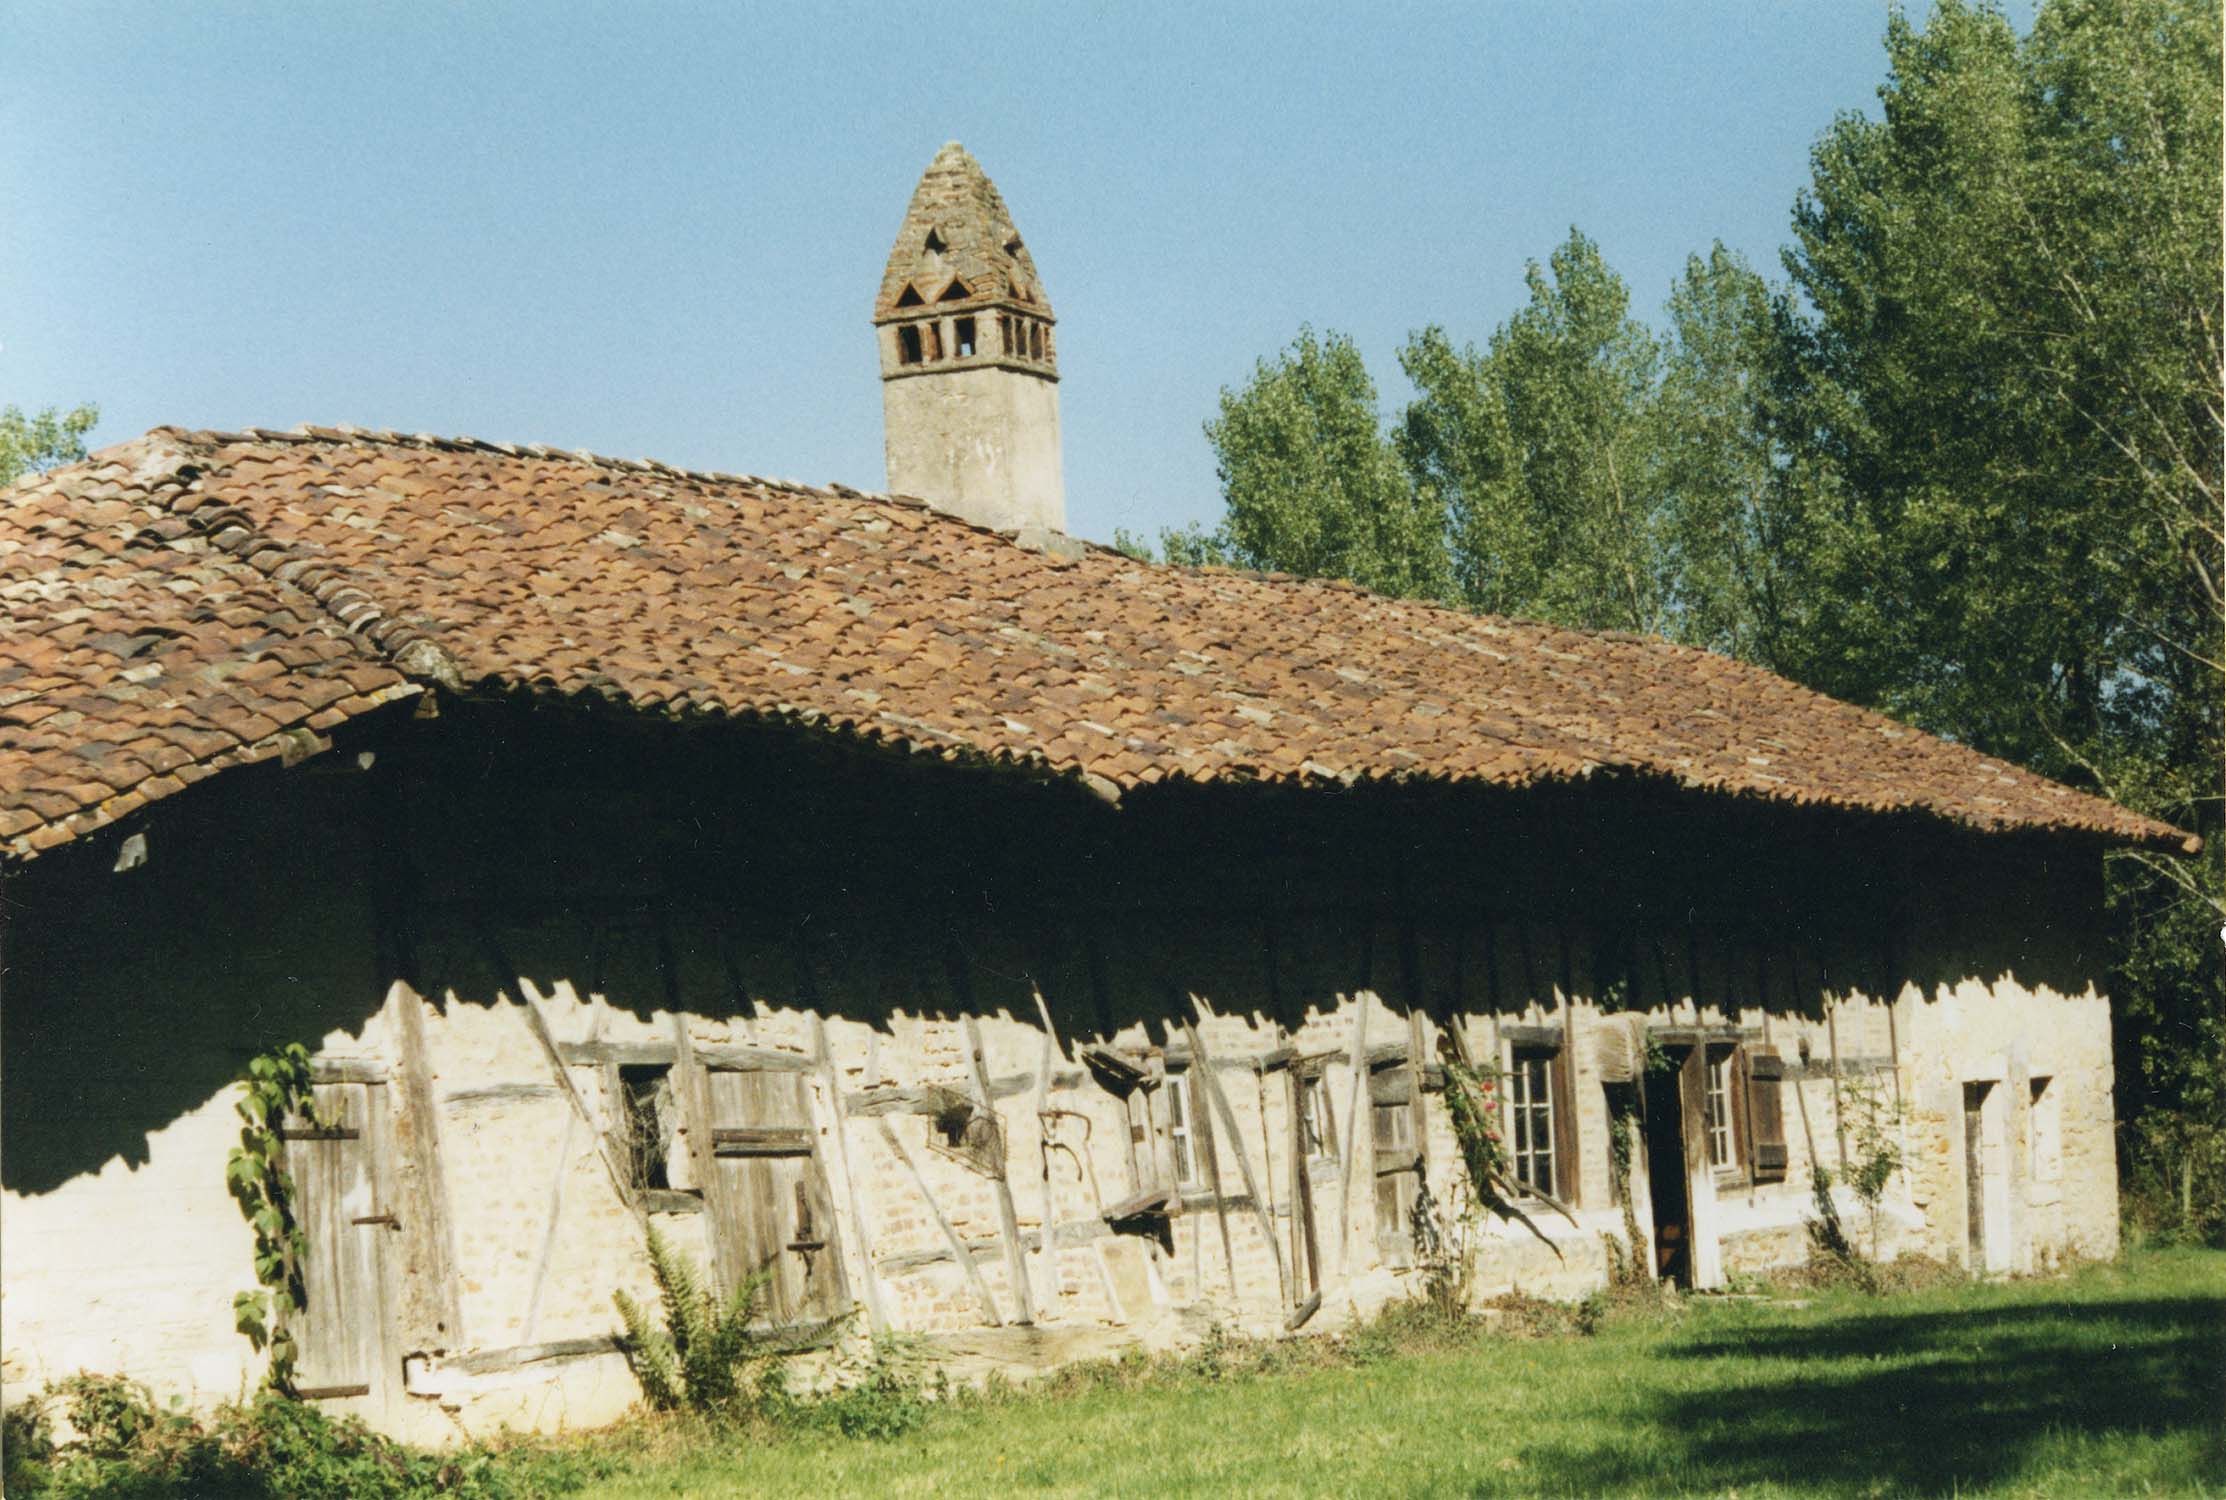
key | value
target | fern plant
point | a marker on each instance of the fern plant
(701, 1358)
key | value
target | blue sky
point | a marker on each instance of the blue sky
(657, 230)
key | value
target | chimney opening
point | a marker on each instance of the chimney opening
(908, 344)
(963, 338)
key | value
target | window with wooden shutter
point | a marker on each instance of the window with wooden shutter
(1398, 1155)
(1766, 1112)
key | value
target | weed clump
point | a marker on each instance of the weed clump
(269, 1446)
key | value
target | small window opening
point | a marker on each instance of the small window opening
(2044, 1134)
(1530, 1106)
(910, 297)
(955, 292)
(1035, 341)
(1316, 1124)
(935, 341)
(935, 244)
(1722, 1149)
(962, 333)
(968, 1133)
(1013, 245)
(908, 344)
(646, 1100)
(1180, 1129)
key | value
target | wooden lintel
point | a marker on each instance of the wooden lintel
(348, 1069)
(624, 1054)
(931, 1099)
(490, 1361)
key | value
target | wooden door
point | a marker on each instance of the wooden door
(342, 1333)
(773, 1216)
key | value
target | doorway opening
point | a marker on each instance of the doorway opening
(1665, 1172)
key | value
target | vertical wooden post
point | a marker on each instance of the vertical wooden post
(877, 1316)
(431, 1315)
(1047, 1259)
(1008, 1223)
(1352, 1136)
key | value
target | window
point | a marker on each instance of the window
(935, 341)
(963, 340)
(934, 244)
(1722, 1143)
(1180, 1129)
(1035, 341)
(647, 1116)
(2044, 1134)
(910, 297)
(1317, 1125)
(1530, 1106)
(955, 292)
(908, 344)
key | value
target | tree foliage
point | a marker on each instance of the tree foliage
(1311, 484)
(1964, 467)
(32, 444)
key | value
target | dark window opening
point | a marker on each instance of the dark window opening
(1035, 341)
(955, 292)
(1317, 1124)
(908, 345)
(935, 341)
(935, 241)
(962, 337)
(910, 297)
(1012, 246)
(649, 1116)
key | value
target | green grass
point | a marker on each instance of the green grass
(2108, 1382)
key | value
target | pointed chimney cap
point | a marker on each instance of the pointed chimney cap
(958, 244)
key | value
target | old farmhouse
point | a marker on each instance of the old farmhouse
(992, 935)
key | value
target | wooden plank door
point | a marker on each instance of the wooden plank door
(342, 1334)
(773, 1215)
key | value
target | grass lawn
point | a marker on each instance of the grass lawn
(2109, 1382)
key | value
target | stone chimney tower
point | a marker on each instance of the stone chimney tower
(970, 376)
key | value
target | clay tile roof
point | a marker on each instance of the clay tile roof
(957, 228)
(188, 601)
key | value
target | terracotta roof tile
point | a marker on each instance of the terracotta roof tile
(320, 575)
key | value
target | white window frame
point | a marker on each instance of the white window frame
(1723, 1138)
(1181, 1128)
(1530, 1122)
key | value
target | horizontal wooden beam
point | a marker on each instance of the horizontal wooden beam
(348, 1069)
(761, 1140)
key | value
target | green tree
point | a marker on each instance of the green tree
(2008, 374)
(1725, 474)
(29, 445)
(1543, 454)
(1311, 484)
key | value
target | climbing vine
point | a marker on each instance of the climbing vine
(278, 1087)
(1472, 1101)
